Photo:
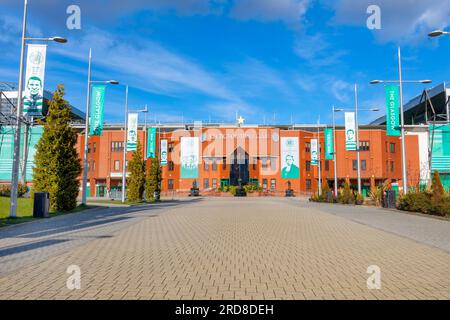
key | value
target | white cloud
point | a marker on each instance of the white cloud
(342, 90)
(402, 20)
(317, 51)
(289, 11)
(149, 66)
(255, 77)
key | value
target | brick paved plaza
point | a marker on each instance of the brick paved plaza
(251, 248)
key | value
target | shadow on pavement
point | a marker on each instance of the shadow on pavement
(87, 219)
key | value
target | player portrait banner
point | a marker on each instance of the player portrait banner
(392, 111)
(163, 152)
(290, 158)
(151, 143)
(314, 152)
(34, 80)
(97, 108)
(132, 135)
(329, 146)
(350, 131)
(189, 157)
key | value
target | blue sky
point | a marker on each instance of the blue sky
(277, 61)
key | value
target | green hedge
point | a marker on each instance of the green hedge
(5, 190)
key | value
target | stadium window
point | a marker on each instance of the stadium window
(308, 166)
(392, 147)
(364, 146)
(116, 165)
(307, 147)
(273, 184)
(308, 184)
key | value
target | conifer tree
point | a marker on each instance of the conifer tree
(56, 163)
(153, 182)
(136, 180)
(437, 188)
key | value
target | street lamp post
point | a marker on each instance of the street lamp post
(334, 151)
(145, 110)
(358, 155)
(319, 166)
(86, 128)
(17, 132)
(400, 82)
(434, 34)
(124, 158)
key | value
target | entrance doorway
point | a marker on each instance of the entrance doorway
(239, 168)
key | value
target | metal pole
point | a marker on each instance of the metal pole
(402, 120)
(86, 133)
(25, 153)
(318, 157)
(357, 140)
(124, 169)
(447, 103)
(145, 134)
(334, 156)
(16, 160)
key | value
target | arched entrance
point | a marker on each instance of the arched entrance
(239, 167)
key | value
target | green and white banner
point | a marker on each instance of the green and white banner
(34, 80)
(97, 108)
(189, 157)
(350, 131)
(392, 111)
(290, 158)
(132, 134)
(329, 146)
(163, 152)
(314, 152)
(151, 143)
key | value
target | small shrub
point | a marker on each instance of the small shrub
(250, 188)
(377, 195)
(232, 190)
(5, 190)
(416, 202)
(346, 196)
(359, 198)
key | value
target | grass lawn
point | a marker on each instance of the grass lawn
(25, 211)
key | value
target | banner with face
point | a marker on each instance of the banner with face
(290, 168)
(132, 134)
(34, 80)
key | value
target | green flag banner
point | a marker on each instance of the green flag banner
(151, 143)
(392, 111)
(132, 134)
(314, 152)
(34, 80)
(189, 157)
(97, 108)
(163, 152)
(290, 162)
(350, 131)
(329, 147)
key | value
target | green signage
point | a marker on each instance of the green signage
(440, 146)
(151, 143)
(329, 148)
(7, 151)
(189, 157)
(97, 106)
(392, 111)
